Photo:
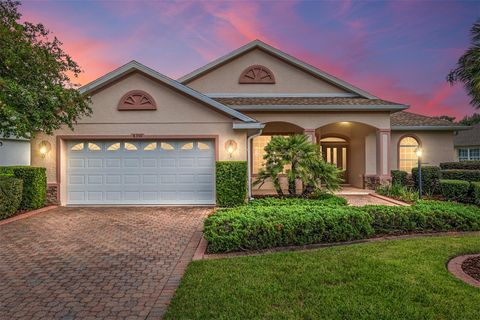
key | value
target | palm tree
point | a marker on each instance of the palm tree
(300, 160)
(468, 68)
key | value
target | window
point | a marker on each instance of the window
(77, 147)
(93, 147)
(130, 146)
(465, 154)
(150, 146)
(257, 74)
(407, 154)
(187, 146)
(203, 146)
(333, 139)
(258, 150)
(166, 146)
(114, 147)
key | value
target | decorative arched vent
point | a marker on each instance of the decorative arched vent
(137, 100)
(257, 74)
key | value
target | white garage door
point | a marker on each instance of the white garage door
(141, 172)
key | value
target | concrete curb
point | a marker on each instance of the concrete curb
(454, 266)
(27, 214)
(397, 202)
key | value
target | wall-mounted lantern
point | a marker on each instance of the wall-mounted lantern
(230, 147)
(44, 147)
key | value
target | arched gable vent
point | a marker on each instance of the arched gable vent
(257, 74)
(137, 100)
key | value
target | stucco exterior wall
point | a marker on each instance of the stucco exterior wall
(14, 152)
(437, 146)
(176, 115)
(289, 79)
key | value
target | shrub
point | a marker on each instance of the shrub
(257, 227)
(462, 165)
(430, 179)
(456, 190)
(399, 192)
(458, 174)
(34, 185)
(476, 192)
(231, 183)
(399, 177)
(323, 200)
(424, 216)
(10, 195)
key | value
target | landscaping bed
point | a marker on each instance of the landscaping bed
(471, 266)
(269, 223)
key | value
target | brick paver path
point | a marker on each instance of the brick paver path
(95, 263)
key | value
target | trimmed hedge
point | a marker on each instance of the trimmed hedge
(10, 195)
(399, 177)
(324, 200)
(462, 165)
(231, 183)
(458, 174)
(257, 227)
(430, 179)
(424, 216)
(34, 185)
(476, 192)
(456, 190)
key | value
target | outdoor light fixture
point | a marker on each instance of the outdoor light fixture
(44, 147)
(419, 152)
(230, 147)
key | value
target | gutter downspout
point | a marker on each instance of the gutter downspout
(249, 160)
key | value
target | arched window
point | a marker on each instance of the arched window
(137, 100)
(257, 74)
(407, 156)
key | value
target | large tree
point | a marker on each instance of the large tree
(471, 120)
(36, 91)
(468, 68)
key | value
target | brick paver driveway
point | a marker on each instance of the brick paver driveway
(95, 263)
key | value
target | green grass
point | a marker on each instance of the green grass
(399, 279)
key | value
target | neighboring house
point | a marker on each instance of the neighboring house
(154, 140)
(14, 151)
(467, 144)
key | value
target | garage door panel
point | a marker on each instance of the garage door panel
(145, 172)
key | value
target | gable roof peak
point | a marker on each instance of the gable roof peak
(280, 55)
(134, 65)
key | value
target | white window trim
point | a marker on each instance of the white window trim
(469, 157)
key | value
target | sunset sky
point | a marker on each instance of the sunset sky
(399, 51)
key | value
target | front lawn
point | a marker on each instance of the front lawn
(400, 279)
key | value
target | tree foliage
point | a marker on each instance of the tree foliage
(36, 92)
(300, 160)
(471, 120)
(468, 68)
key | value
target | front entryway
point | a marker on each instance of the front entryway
(335, 151)
(141, 172)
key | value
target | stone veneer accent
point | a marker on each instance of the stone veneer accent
(373, 181)
(52, 194)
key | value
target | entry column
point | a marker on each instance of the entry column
(383, 154)
(310, 133)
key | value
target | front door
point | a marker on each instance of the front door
(337, 154)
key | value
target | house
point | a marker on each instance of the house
(467, 144)
(14, 151)
(154, 140)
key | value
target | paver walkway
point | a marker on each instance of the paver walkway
(95, 263)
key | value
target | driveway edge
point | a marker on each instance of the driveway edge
(25, 215)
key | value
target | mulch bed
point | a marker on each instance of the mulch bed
(471, 266)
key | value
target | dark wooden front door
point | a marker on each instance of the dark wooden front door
(337, 154)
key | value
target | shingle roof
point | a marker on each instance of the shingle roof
(404, 118)
(469, 137)
(328, 101)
